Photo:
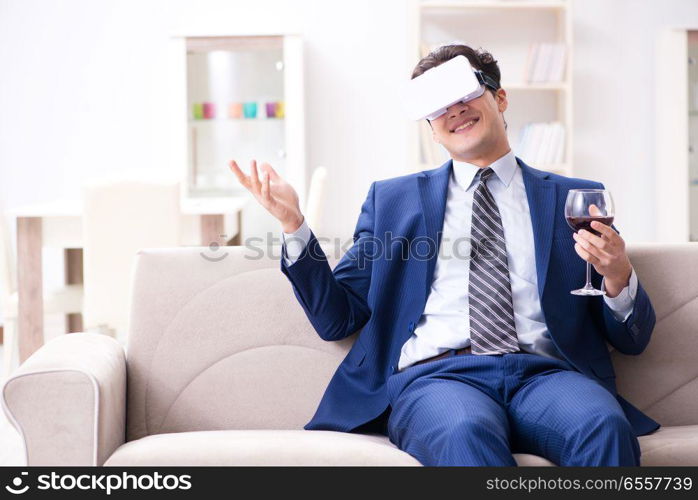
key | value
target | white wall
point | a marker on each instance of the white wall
(81, 91)
(82, 84)
(614, 100)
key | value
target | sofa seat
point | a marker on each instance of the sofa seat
(666, 446)
(670, 445)
(260, 447)
(269, 447)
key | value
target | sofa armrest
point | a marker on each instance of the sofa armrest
(68, 400)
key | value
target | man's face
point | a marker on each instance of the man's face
(481, 140)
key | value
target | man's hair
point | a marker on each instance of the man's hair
(479, 59)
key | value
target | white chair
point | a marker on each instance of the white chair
(316, 200)
(121, 216)
(67, 299)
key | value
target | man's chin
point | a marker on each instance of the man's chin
(472, 151)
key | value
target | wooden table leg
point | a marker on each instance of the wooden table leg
(30, 321)
(212, 227)
(237, 239)
(72, 257)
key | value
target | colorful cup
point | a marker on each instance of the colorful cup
(198, 111)
(280, 109)
(250, 109)
(209, 110)
(235, 110)
(271, 109)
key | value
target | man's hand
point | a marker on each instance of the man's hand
(607, 254)
(279, 198)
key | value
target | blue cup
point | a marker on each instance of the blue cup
(249, 110)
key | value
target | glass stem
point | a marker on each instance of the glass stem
(588, 285)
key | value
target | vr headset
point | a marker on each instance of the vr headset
(431, 93)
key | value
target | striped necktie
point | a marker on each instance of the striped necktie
(492, 327)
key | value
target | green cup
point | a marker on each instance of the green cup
(198, 110)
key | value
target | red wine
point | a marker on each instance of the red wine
(584, 222)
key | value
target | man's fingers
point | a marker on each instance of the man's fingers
(254, 175)
(605, 230)
(592, 259)
(266, 195)
(597, 241)
(594, 211)
(602, 258)
(592, 243)
(272, 173)
(239, 173)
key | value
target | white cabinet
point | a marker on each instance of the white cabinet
(241, 98)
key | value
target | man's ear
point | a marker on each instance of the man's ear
(502, 100)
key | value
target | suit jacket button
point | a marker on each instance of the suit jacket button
(411, 326)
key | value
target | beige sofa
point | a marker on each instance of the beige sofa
(223, 368)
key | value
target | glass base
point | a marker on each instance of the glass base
(587, 291)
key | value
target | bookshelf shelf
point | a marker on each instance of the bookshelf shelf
(532, 43)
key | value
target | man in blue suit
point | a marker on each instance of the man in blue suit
(467, 354)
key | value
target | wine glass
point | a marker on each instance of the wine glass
(581, 208)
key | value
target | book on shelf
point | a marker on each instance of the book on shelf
(542, 144)
(545, 62)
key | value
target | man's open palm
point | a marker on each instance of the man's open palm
(272, 192)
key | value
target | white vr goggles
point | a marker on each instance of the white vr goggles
(431, 93)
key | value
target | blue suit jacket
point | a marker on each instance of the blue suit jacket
(381, 288)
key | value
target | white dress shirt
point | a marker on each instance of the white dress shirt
(445, 322)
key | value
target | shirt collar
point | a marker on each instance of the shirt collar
(464, 173)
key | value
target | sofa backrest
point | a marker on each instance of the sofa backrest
(663, 380)
(222, 343)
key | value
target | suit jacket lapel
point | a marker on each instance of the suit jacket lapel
(433, 191)
(541, 195)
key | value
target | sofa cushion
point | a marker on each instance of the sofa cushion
(260, 447)
(270, 447)
(677, 445)
(670, 445)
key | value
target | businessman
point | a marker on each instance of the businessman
(470, 345)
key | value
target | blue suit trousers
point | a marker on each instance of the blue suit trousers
(477, 410)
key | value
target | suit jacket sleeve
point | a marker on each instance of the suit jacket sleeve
(632, 335)
(336, 301)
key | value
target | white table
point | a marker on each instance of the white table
(59, 224)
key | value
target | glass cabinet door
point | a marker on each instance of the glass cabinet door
(235, 109)
(242, 98)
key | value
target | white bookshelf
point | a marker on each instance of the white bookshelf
(676, 133)
(507, 29)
